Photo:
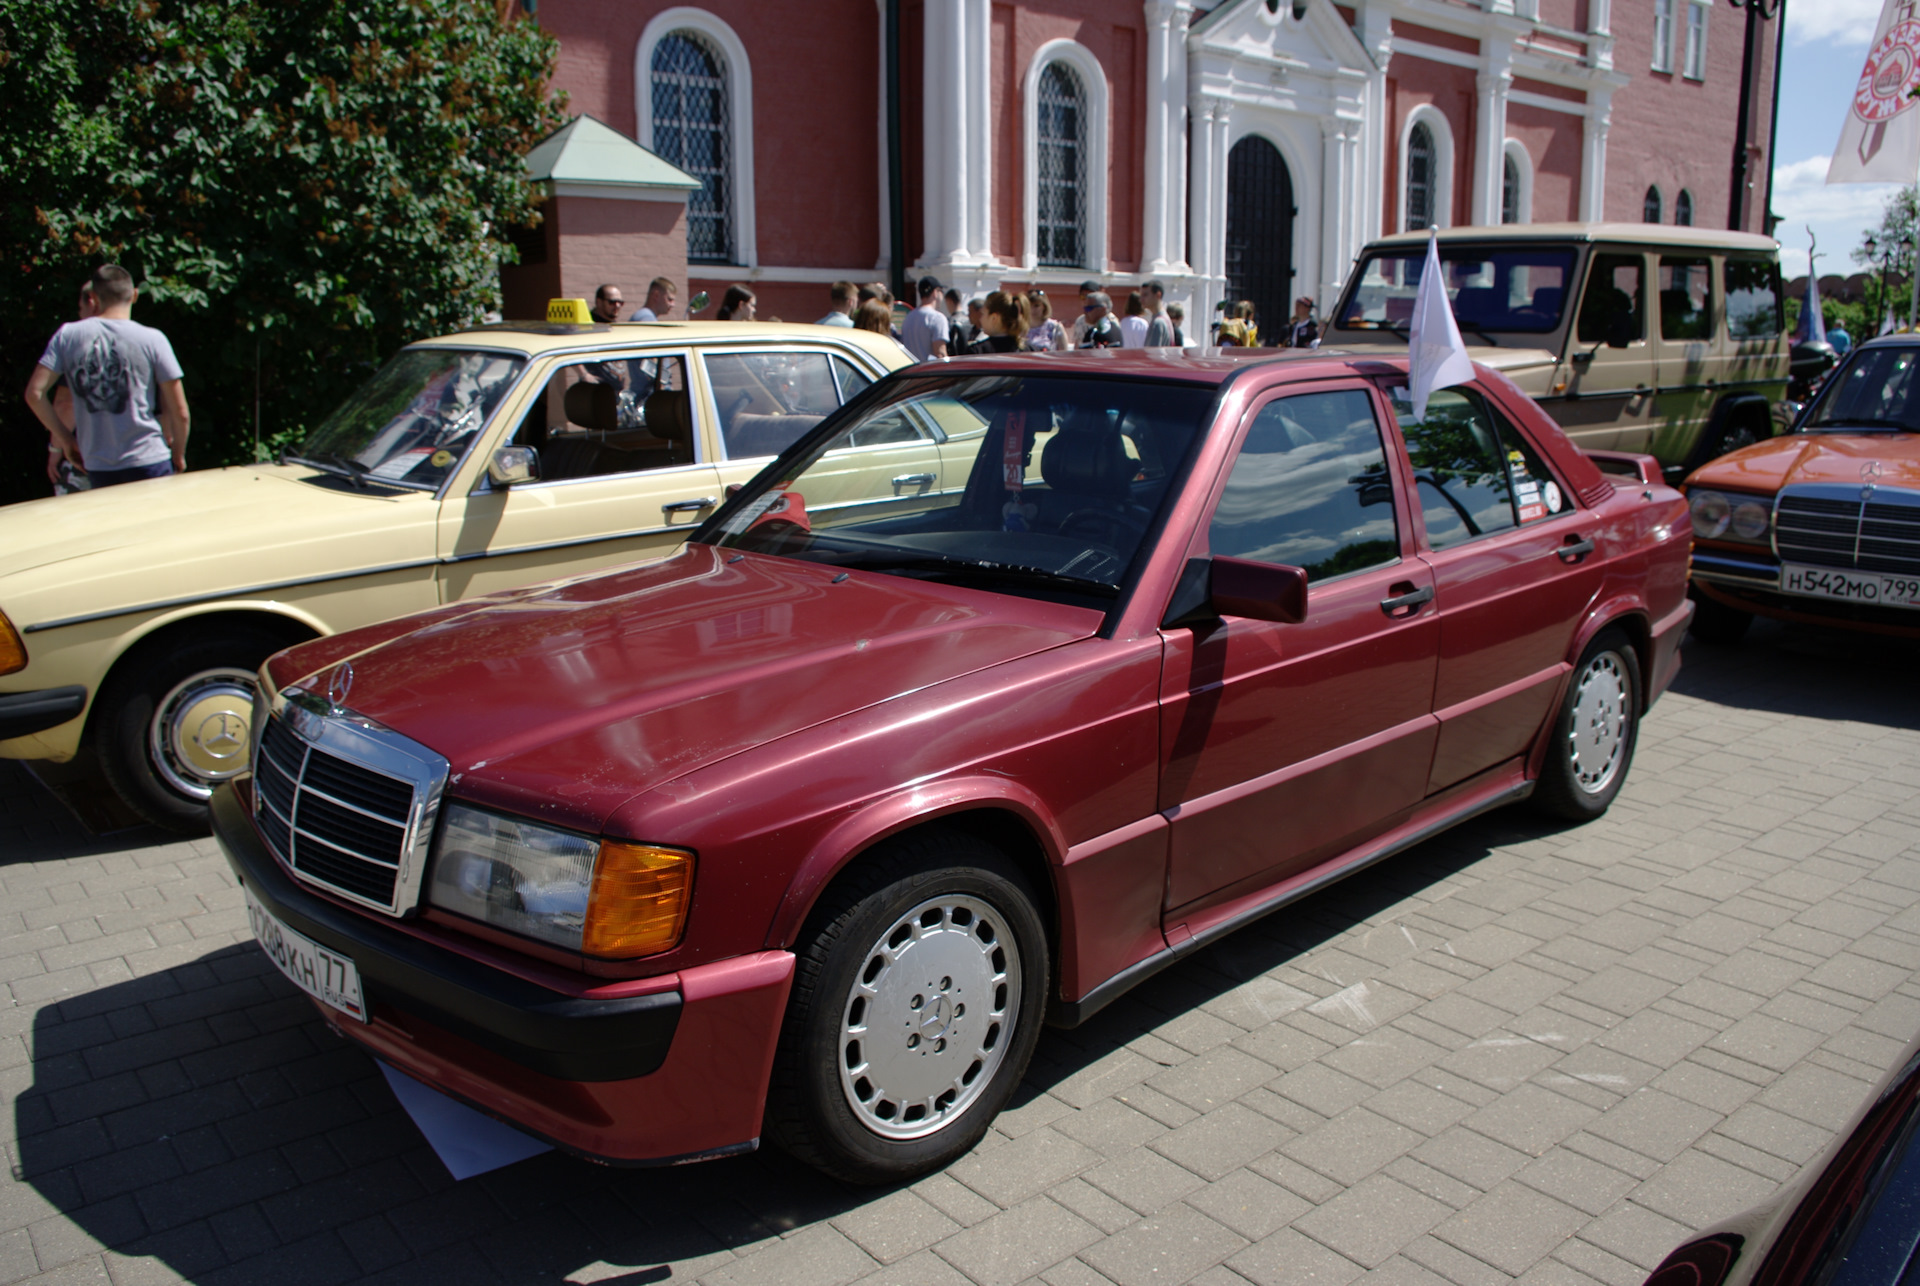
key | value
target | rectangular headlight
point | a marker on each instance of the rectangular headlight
(605, 898)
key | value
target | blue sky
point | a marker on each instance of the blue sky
(1826, 46)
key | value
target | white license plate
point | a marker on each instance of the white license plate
(327, 976)
(1851, 587)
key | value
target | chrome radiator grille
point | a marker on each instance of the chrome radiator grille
(334, 822)
(1833, 526)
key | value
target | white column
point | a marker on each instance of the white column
(1600, 34)
(1490, 134)
(1166, 97)
(1593, 161)
(943, 133)
(1375, 29)
(977, 94)
(1206, 181)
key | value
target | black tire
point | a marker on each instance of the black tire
(945, 905)
(1594, 733)
(193, 691)
(1740, 428)
(1714, 622)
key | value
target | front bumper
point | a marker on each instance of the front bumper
(24, 713)
(672, 1075)
(1752, 584)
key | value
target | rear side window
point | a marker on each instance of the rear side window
(1310, 488)
(1474, 473)
(1686, 298)
(1754, 309)
(767, 400)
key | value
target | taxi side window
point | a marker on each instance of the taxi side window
(1686, 298)
(1310, 488)
(1474, 473)
(765, 401)
(1615, 288)
(611, 415)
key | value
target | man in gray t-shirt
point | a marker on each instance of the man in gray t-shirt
(925, 330)
(129, 410)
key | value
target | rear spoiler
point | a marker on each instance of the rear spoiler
(1643, 469)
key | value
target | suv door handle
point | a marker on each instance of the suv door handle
(913, 480)
(1408, 602)
(698, 502)
(1576, 548)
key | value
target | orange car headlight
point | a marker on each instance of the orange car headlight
(13, 652)
(639, 902)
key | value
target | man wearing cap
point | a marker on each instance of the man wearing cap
(925, 330)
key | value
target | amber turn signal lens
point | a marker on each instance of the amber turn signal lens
(638, 906)
(13, 653)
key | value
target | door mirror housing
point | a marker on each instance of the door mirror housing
(512, 465)
(1258, 591)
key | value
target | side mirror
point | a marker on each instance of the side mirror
(512, 465)
(1620, 331)
(1258, 591)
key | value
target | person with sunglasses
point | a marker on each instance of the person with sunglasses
(1102, 330)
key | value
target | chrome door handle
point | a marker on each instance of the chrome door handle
(1576, 548)
(914, 480)
(698, 502)
(1408, 602)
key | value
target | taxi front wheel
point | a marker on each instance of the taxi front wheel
(174, 723)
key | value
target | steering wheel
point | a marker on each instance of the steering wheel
(1097, 524)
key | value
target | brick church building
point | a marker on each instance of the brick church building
(1231, 148)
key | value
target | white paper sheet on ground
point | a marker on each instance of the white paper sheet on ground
(467, 1142)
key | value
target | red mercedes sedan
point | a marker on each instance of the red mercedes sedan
(1015, 681)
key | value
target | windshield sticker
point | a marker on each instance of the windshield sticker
(440, 459)
(398, 466)
(1518, 464)
(1015, 516)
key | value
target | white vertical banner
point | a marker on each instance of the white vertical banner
(1880, 142)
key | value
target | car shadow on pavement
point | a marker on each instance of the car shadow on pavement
(205, 1117)
(1828, 673)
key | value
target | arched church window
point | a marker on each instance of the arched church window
(693, 128)
(1683, 209)
(1650, 210)
(1061, 139)
(1510, 192)
(1420, 177)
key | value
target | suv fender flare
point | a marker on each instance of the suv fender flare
(1724, 412)
(904, 810)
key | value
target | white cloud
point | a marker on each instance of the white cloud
(1839, 215)
(1838, 22)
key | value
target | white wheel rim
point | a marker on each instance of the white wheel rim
(929, 1017)
(201, 730)
(1597, 739)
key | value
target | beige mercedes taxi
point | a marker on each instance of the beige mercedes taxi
(132, 618)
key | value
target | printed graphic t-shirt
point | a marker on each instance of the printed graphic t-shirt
(115, 368)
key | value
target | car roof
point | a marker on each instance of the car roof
(1907, 340)
(1191, 365)
(537, 337)
(1648, 234)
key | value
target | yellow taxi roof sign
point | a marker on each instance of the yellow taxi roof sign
(569, 312)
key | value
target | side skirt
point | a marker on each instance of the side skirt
(1071, 1013)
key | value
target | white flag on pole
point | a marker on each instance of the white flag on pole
(1880, 142)
(1436, 355)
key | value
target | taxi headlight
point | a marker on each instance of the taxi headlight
(1750, 520)
(13, 653)
(601, 897)
(1711, 514)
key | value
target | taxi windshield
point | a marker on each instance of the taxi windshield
(1044, 485)
(1493, 289)
(411, 424)
(1878, 389)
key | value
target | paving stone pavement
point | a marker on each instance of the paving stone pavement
(1517, 1051)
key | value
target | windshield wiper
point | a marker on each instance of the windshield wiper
(1475, 328)
(971, 568)
(355, 471)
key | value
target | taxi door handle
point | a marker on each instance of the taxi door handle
(913, 480)
(698, 502)
(1408, 602)
(1576, 548)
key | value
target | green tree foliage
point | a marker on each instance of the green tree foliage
(299, 187)
(1894, 253)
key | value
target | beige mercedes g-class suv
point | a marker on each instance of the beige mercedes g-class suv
(1635, 337)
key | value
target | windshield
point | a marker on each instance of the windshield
(1876, 390)
(1515, 288)
(1041, 484)
(411, 424)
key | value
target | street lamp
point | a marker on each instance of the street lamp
(1756, 12)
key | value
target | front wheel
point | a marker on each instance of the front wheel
(1594, 733)
(916, 1004)
(176, 722)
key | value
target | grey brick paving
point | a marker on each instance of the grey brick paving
(1518, 1052)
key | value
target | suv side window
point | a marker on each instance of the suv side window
(1616, 287)
(765, 401)
(1310, 488)
(1686, 298)
(1754, 308)
(611, 415)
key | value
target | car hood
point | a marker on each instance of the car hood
(565, 704)
(1846, 458)
(197, 533)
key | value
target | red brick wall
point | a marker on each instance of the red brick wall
(1553, 140)
(590, 241)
